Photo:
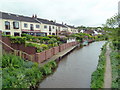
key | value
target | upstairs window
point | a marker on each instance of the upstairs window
(31, 27)
(49, 28)
(16, 25)
(37, 26)
(25, 25)
(7, 25)
(45, 26)
(53, 27)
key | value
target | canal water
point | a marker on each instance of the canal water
(75, 69)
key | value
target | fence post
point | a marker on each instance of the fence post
(15, 52)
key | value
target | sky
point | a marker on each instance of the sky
(91, 13)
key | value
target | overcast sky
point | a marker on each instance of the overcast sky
(73, 12)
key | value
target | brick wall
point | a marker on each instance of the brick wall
(37, 57)
(40, 57)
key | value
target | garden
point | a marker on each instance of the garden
(41, 43)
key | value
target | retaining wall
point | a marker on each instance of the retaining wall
(36, 57)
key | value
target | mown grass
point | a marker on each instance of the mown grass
(17, 73)
(97, 78)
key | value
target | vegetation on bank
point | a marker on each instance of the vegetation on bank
(81, 36)
(112, 28)
(115, 63)
(17, 73)
(97, 79)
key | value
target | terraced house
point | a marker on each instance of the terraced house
(15, 25)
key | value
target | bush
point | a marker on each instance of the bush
(18, 40)
(48, 68)
(97, 78)
(114, 56)
(40, 48)
(17, 73)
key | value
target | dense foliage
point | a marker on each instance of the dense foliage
(18, 40)
(39, 48)
(18, 73)
(97, 79)
(115, 62)
(113, 30)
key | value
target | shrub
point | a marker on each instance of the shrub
(18, 40)
(45, 38)
(48, 68)
(40, 48)
(97, 78)
(17, 73)
(114, 56)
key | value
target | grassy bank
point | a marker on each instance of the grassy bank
(115, 62)
(97, 78)
(17, 73)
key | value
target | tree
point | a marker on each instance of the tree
(113, 30)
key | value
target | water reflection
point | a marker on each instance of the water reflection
(74, 70)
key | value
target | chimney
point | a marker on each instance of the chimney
(54, 21)
(35, 16)
(62, 23)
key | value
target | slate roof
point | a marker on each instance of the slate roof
(45, 21)
(57, 24)
(89, 31)
(30, 19)
(71, 26)
(17, 17)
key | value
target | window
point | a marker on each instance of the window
(37, 26)
(16, 25)
(53, 33)
(45, 34)
(16, 34)
(49, 28)
(25, 25)
(7, 33)
(31, 27)
(49, 33)
(45, 26)
(7, 25)
(53, 27)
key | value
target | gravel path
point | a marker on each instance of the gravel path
(108, 75)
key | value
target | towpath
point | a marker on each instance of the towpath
(108, 75)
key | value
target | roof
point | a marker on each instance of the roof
(71, 26)
(30, 19)
(88, 31)
(17, 17)
(45, 21)
(57, 24)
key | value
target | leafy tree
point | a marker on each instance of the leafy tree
(113, 30)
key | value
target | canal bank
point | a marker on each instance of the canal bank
(60, 55)
(75, 69)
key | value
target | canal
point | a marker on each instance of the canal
(75, 69)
